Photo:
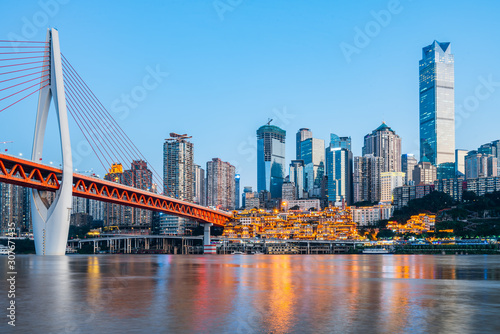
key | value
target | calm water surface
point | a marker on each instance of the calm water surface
(255, 294)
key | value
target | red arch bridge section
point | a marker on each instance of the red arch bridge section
(30, 174)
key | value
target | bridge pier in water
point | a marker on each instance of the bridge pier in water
(208, 248)
(51, 222)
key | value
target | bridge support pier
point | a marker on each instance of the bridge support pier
(51, 220)
(208, 248)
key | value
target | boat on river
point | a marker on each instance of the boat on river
(376, 251)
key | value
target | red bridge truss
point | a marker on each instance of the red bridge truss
(30, 174)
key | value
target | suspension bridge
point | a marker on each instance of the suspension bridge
(28, 68)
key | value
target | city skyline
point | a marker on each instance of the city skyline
(321, 99)
(228, 166)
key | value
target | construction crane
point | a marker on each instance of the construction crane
(178, 137)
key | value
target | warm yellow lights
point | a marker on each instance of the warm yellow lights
(331, 224)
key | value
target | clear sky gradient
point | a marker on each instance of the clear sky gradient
(233, 64)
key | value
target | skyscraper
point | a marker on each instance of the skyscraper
(140, 177)
(14, 208)
(115, 213)
(366, 180)
(408, 163)
(339, 174)
(246, 191)
(178, 173)
(492, 148)
(389, 181)
(460, 162)
(437, 104)
(342, 142)
(312, 152)
(178, 167)
(199, 185)
(220, 184)
(385, 143)
(480, 165)
(237, 191)
(424, 173)
(270, 159)
(297, 177)
(302, 135)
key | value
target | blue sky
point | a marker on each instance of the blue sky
(233, 64)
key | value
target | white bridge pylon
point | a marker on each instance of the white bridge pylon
(51, 222)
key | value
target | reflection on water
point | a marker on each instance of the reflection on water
(256, 294)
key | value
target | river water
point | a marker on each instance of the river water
(255, 294)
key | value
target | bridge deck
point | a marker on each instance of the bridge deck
(30, 174)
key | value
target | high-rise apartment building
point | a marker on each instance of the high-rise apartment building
(302, 135)
(79, 205)
(270, 159)
(288, 192)
(424, 173)
(220, 184)
(116, 214)
(366, 181)
(139, 176)
(14, 208)
(96, 209)
(385, 143)
(492, 148)
(178, 167)
(199, 185)
(389, 181)
(437, 104)
(178, 174)
(408, 163)
(480, 165)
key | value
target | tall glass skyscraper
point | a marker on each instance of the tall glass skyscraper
(237, 191)
(339, 173)
(302, 134)
(297, 177)
(312, 152)
(342, 142)
(437, 104)
(270, 159)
